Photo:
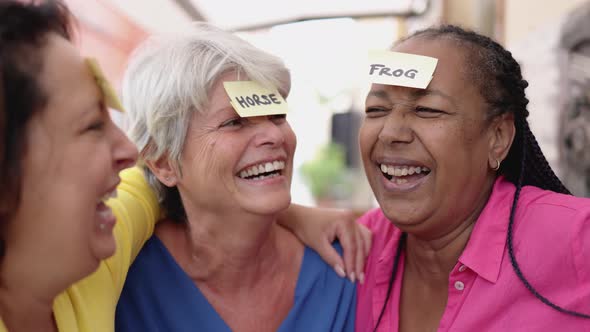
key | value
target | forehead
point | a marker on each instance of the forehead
(66, 79)
(217, 93)
(218, 98)
(451, 74)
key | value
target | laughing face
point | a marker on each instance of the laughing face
(231, 164)
(426, 152)
(71, 165)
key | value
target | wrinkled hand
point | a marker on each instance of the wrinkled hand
(319, 227)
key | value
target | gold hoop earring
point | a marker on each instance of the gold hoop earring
(497, 165)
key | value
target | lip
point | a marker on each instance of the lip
(264, 182)
(114, 186)
(105, 217)
(393, 187)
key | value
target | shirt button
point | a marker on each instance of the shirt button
(462, 268)
(459, 285)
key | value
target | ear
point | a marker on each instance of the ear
(164, 170)
(501, 138)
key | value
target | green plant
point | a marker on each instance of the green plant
(326, 172)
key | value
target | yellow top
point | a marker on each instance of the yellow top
(89, 305)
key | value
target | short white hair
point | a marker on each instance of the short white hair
(169, 77)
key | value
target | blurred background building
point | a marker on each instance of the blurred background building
(323, 43)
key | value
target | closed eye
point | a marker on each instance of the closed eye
(427, 112)
(278, 118)
(373, 112)
(97, 125)
(234, 122)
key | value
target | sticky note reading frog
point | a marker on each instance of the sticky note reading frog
(109, 94)
(252, 99)
(403, 69)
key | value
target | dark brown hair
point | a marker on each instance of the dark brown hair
(24, 28)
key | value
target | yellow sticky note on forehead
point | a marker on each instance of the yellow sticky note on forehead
(109, 94)
(249, 98)
(402, 69)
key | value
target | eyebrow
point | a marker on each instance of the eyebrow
(415, 94)
(428, 92)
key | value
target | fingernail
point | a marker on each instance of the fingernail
(352, 277)
(362, 278)
(339, 271)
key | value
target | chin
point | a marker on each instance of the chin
(402, 214)
(268, 207)
(104, 249)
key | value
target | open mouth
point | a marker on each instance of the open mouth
(107, 196)
(106, 219)
(403, 174)
(263, 170)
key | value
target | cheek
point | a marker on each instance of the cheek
(203, 157)
(457, 148)
(290, 140)
(368, 136)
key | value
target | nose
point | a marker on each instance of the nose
(268, 132)
(124, 151)
(396, 128)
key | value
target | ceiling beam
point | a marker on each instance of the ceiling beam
(190, 10)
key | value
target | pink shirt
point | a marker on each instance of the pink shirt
(552, 246)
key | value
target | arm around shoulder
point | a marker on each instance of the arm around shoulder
(137, 210)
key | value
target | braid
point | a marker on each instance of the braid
(531, 139)
(503, 88)
(538, 172)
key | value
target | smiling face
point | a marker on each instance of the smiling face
(73, 157)
(426, 152)
(233, 164)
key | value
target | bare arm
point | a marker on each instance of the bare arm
(319, 227)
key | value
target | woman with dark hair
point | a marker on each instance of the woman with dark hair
(475, 232)
(60, 158)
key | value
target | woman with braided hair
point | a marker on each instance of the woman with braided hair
(475, 232)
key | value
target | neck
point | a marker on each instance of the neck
(433, 258)
(233, 252)
(27, 291)
(22, 310)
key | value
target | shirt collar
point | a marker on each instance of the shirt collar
(485, 249)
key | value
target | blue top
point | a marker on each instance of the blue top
(159, 296)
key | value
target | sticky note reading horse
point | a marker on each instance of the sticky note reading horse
(402, 69)
(249, 98)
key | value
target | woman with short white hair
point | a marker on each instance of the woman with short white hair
(219, 261)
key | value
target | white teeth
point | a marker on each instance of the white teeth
(266, 167)
(107, 196)
(265, 176)
(399, 171)
(269, 167)
(105, 214)
(401, 181)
